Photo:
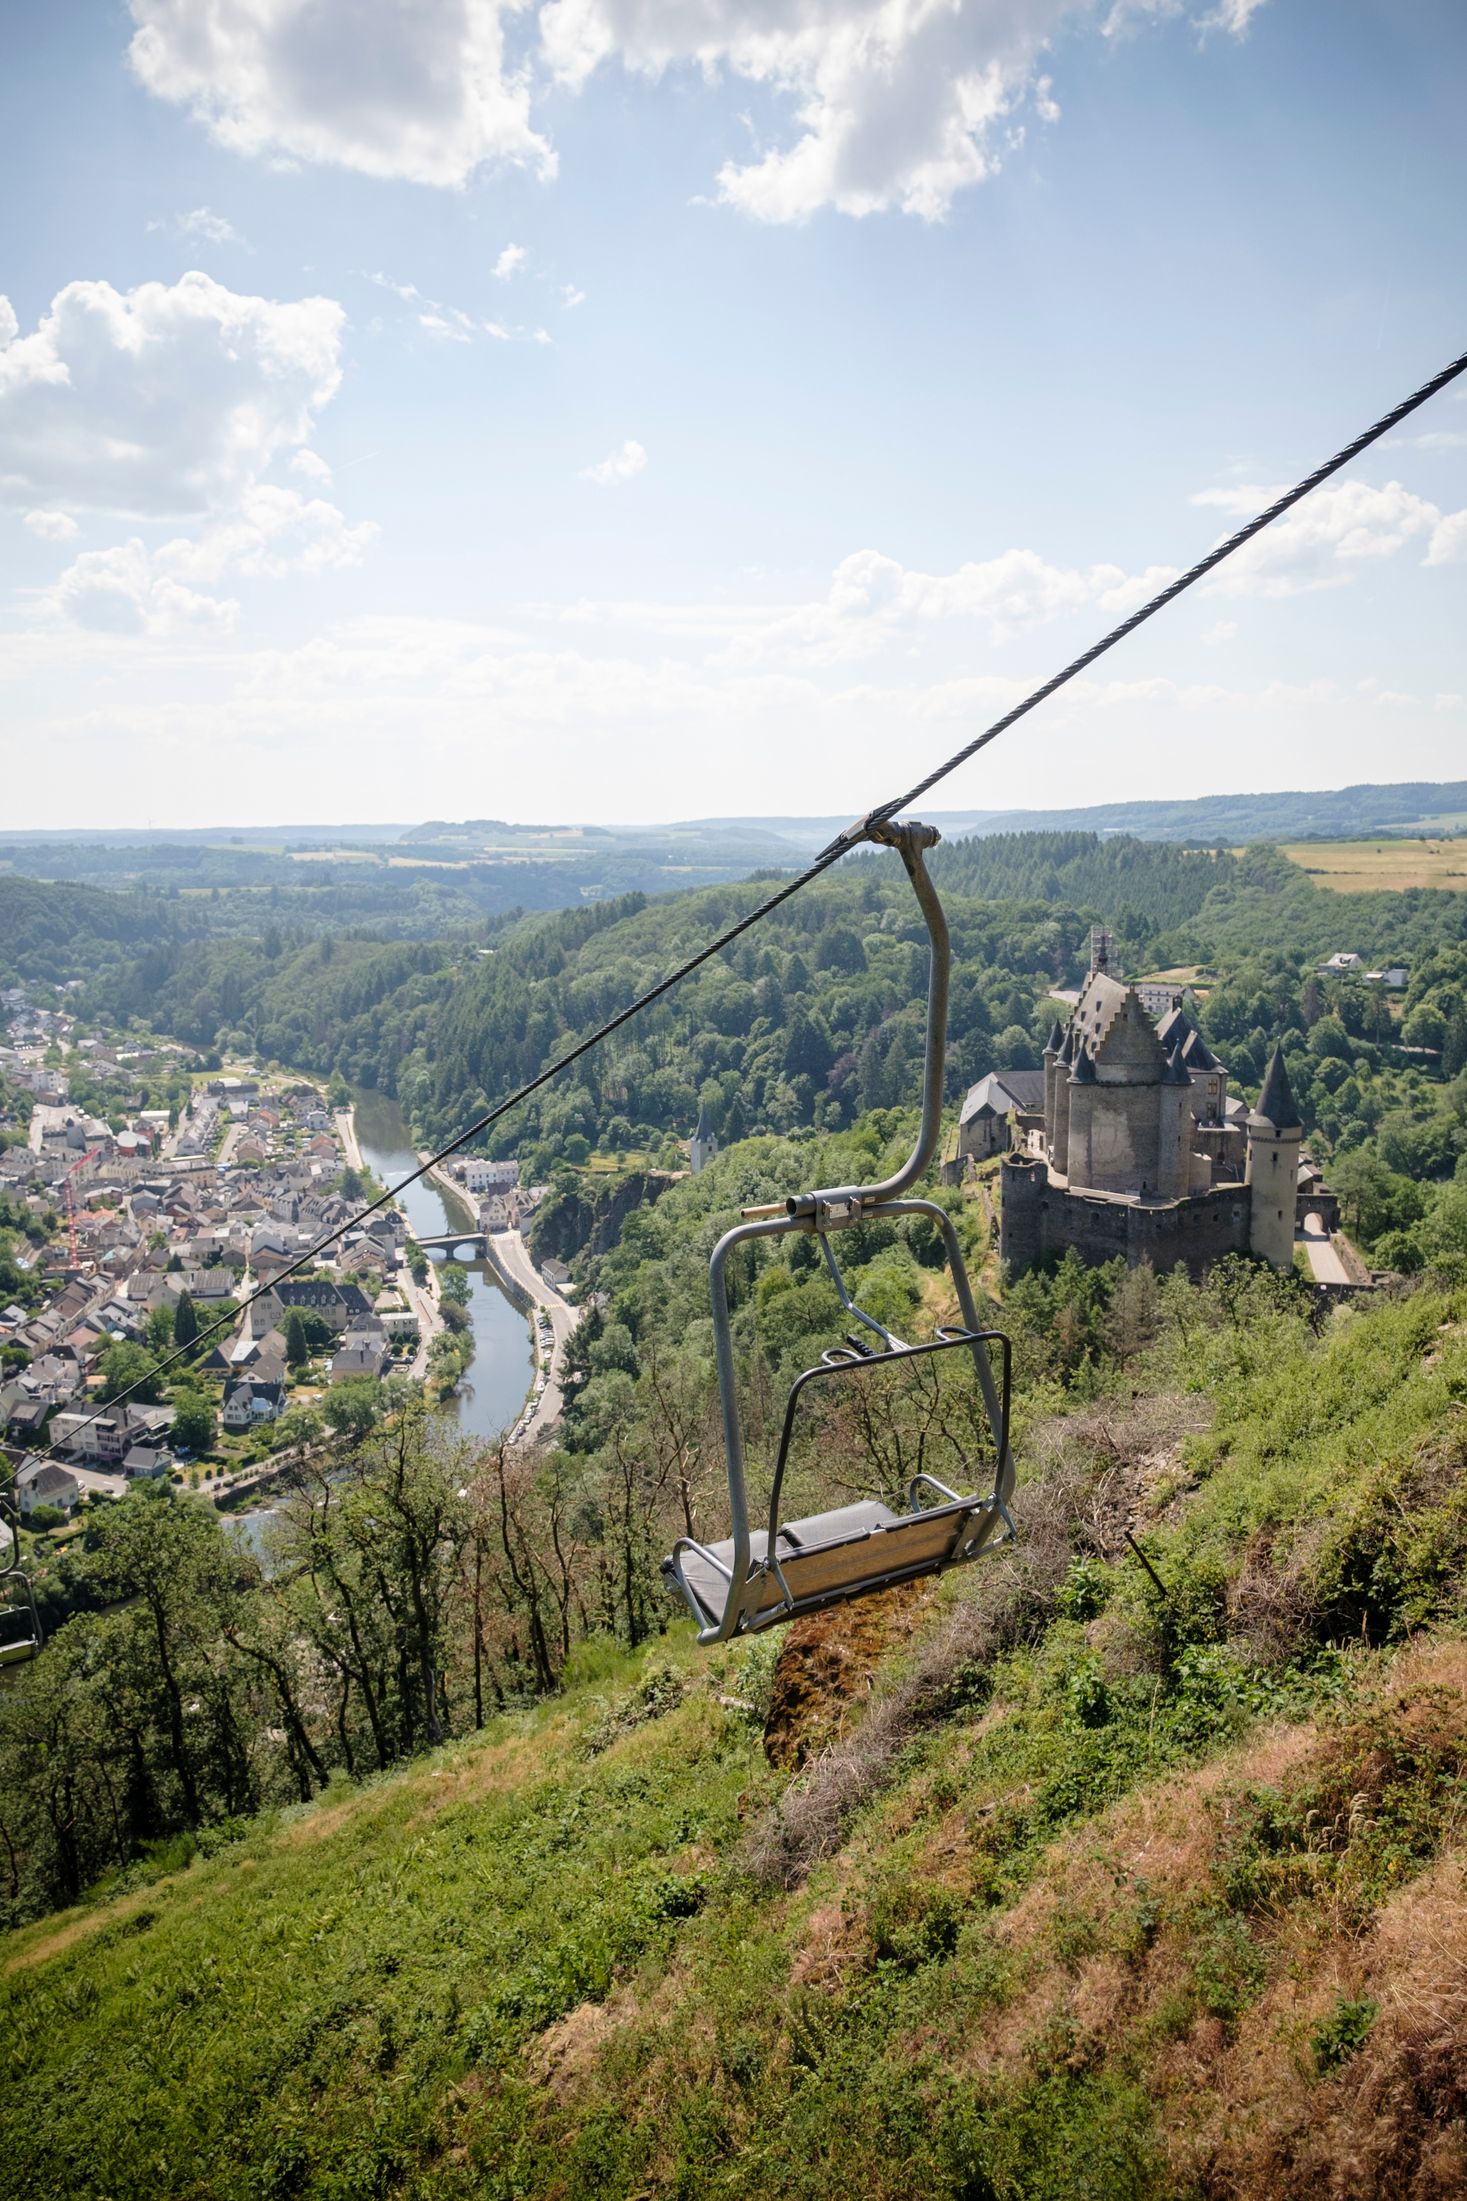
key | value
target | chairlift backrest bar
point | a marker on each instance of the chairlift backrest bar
(753, 1576)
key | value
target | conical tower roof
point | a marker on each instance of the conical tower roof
(1067, 1050)
(1084, 1070)
(704, 1130)
(1276, 1102)
(1176, 1071)
(1055, 1040)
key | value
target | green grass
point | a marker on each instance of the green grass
(538, 1962)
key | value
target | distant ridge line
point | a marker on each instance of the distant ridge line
(1294, 814)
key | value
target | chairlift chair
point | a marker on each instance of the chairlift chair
(757, 1578)
(20, 1619)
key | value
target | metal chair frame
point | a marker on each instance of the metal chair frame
(976, 1520)
(14, 1576)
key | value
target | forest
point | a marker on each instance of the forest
(817, 1018)
(415, 1584)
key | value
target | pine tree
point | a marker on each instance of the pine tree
(297, 1346)
(185, 1322)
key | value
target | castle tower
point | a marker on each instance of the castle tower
(1059, 1122)
(1274, 1133)
(1100, 945)
(1174, 1133)
(704, 1143)
(1052, 1048)
(1080, 1090)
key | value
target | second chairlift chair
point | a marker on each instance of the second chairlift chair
(20, 1620)
(757, 1578)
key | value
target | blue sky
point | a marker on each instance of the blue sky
(611, 409)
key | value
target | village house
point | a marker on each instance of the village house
(45, 1484)
(251, 1403)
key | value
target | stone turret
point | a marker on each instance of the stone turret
(1052, 1048)
(1059, 1122)
(1274, 1134)
(1174, 1136)
(704, 1143)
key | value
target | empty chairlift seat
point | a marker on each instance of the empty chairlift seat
(756, 1578)
(20, 1623)
(828, 1558)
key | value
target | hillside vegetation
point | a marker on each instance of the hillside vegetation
(1063, 1886)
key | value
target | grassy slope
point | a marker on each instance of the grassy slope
(1090, 1897)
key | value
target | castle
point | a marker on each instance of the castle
(1137, 1149)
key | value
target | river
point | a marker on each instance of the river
(495, 1383)
(498, 1377)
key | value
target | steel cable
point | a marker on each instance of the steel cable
(830, 855)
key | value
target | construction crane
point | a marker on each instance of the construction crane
(69, 1193)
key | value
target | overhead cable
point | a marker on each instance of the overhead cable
(842, 845)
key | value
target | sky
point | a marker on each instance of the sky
(624, 410)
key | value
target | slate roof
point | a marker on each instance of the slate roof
(1003, 1090)
(1276, 1101)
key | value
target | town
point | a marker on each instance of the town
(146, 1224)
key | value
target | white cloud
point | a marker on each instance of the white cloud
(510, 261)
(351, 701)
(619, 466)
(1221, 630)
(420, 93)
(9, 326)
(1448, 542)
(897, 103)
(164, 400)
(1232, 16)
(450, 324)
(409, 292)
(1435, 439)
(132, 590)
(570, 296)
(274, 532)
(1325, 540)
(51, 527)
(894, 103)
(120, 591)
(873, 600)
(173, 402)
(208, 226)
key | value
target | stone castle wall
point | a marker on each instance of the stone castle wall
(1038, 1220)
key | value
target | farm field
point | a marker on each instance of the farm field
(1386, 866)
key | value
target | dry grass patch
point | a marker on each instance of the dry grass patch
(1274, 1946)
(1091, 1476)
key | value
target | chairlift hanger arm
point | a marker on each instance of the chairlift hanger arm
(837, 1207)
(754, 1581)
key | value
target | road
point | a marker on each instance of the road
(346, 1131)
(511, 1250)
(423, 1299)
(95, 1479)
(1325, 1265)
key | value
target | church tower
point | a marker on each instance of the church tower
(1274, 1133)
(704, 1143)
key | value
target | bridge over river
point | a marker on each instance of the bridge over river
(459, 1245)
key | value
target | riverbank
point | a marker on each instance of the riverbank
(492, 1391)
(508, 1255)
